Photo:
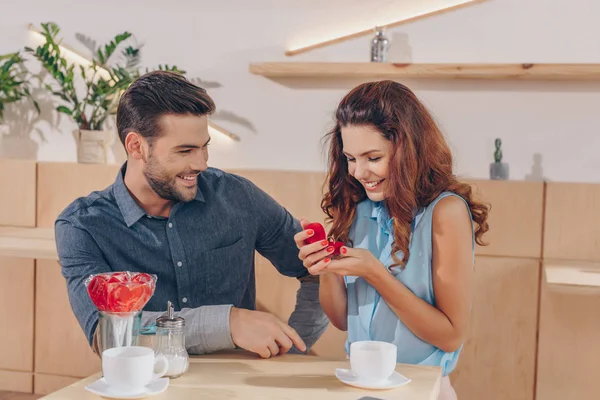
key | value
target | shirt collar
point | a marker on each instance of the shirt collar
(130, 210)
(380, 214)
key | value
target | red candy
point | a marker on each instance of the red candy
(319, 234)
(142, 278)
(119, 277)
(121, 291)
(97, 291)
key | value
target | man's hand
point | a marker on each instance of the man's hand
(262, 333)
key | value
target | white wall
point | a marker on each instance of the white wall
(216, 40)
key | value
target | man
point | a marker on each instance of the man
(195, 227)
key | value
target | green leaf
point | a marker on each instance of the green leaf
(100, 56)
(62, 96)
(64, 109)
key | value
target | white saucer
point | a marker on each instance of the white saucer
(349, 378)
(101, 388)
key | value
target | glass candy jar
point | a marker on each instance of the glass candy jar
(171, 342)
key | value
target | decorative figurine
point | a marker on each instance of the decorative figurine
(498, 169)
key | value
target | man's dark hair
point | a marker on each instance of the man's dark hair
(156, 94)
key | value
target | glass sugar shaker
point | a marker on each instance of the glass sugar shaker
(171, 342)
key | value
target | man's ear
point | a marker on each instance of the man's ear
(136, 146)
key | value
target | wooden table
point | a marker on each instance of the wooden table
(240, 375)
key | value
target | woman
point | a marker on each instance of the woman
(412, 226)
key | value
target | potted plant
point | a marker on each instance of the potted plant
(90, 104)
(14, 80)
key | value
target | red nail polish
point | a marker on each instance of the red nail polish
(330, 249)
(324, 243)
(344, 250)
(327, 260)
(310, 232)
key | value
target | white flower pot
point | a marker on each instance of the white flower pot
(93, 146)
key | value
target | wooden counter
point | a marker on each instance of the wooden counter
(239, 375)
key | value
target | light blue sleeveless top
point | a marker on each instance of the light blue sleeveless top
(369, 317)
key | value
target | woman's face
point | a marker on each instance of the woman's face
(368, 155)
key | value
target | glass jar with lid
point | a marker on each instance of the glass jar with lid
(171, 342)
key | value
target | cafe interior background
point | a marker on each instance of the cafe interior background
(522, 71)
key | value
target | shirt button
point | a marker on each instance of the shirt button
(184, 300)
(179, 263)
(170, 225)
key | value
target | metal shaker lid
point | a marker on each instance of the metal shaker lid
(169, 320)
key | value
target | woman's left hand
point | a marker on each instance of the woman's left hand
(351, 262)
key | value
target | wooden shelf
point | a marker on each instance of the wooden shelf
(431, 71)
(28, 243)
(565, 274)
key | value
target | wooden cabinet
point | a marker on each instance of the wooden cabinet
(515, 218)
(45, 384)
(60, 345)
(498, 359)
(572, 223)
(18, 199)
(16, 313)
(15, 381)
(16, 328)
(569, 349)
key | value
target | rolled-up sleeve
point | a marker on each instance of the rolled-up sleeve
(206, 328)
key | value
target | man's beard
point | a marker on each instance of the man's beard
(165, 186)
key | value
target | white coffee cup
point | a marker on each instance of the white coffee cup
(373, 361)
(129, 369)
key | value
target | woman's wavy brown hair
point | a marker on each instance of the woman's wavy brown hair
(420, 165)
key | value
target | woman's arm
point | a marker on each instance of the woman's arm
(444, 326)
(333, 298)
(332, 290)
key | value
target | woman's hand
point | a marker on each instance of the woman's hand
(355, 262)
(351, 262)
(313, 253)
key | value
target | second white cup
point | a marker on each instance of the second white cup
(373, 361)
(130, 369)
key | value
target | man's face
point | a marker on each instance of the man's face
(178, 156)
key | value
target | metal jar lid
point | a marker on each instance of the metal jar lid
(169, 320)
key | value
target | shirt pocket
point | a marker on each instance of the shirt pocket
(225, 274)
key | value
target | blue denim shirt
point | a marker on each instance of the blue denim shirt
(203, 255)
